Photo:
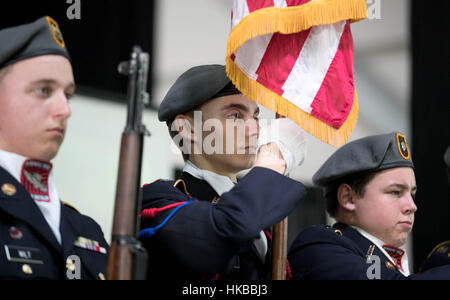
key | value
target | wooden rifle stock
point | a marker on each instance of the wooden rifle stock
(126, 258)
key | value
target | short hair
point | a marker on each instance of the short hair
(358, 183)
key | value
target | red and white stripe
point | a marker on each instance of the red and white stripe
(312, 69)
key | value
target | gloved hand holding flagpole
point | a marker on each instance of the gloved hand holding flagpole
(295, 57)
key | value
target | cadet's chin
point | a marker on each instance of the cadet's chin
(401, 239)
(245, 161)
(49, 152)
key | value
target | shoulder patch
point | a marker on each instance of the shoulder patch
(70, 206)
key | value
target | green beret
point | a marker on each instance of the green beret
(193, 88)
(373, 153)
(41, 37)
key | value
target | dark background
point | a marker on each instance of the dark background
(98, 42)
(108, 30)
(430, 105)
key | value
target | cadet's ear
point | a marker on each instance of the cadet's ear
(184, 125)
(346, 197)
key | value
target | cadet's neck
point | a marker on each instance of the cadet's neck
(345, 217)
(202, 163)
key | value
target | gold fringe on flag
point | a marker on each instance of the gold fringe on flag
(290, 20)
(294, 19)
(274, 102)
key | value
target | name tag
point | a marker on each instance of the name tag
(23, 254)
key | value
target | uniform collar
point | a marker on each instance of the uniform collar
(12, 163)
(379, 243)
(199, 189)
(21, 206)
(221, 184)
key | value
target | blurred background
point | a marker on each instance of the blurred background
(401, 74)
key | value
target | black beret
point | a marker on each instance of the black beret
(41, 37)
(373, 153)
(193, 88)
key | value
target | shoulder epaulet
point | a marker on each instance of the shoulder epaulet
(70, 206)
(161, 181)
(183, 185)
(441, 248)
(157, 180)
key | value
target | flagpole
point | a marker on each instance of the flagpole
(279, 247)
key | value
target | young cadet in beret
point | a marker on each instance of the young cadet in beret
(40, 237)
(206, 225)
(370, 188)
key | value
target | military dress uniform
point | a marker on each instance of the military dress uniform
(342, 252)
(204, 226)
(439, 256)
(41, 237)
(31, 250)
(348, 252)
(215, 237)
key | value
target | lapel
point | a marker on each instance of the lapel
(69, 232)
(21, 206)
(365, 246)
(72, 227)
(199, 189)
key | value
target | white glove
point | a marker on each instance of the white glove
(290, 138)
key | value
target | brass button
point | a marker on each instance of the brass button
(101, 276)
(70, 265)
(389, 265)
(27, 269)
(9, 189)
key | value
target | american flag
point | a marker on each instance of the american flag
(295, 57)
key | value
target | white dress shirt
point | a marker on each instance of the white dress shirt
(51, 210)
(379, 243)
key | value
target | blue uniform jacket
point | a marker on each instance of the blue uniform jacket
(339, 252)
(439, 256)
(28, 247)
(203, 239)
